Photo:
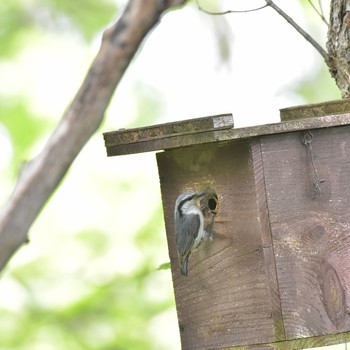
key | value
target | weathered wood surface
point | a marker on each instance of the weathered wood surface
(226, 300)
(114, 149)
(277, 274)
(161, 131)
(315, 110)
(267, 246)
(310, 232)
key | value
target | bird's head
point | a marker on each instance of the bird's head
(189, 198)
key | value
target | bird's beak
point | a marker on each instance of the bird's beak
(205, 193)
(202, 194)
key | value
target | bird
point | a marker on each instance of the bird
(193, 217)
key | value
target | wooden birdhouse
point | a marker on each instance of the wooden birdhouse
(277, 272)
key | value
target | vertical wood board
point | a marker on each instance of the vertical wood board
(225, 300)
(311, 233)
(266, 238)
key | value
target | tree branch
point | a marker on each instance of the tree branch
(40, 177)
(200, 8)
(320, 11)
(300, 30)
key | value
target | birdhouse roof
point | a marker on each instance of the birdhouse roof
(219, 128)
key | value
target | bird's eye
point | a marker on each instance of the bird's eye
(213, 204)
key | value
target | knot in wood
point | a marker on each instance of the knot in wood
(333, 294)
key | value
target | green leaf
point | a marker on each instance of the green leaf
(164, 266)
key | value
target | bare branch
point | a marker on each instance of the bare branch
(228, 11)
(41, 176)
(301, 31)
(270, 3)
(319, 12)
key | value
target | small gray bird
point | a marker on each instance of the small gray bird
(191, 224)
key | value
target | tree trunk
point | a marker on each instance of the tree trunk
(338, 45)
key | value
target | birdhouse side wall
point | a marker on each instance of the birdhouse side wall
(226, 300)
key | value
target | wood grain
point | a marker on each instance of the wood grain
(230, 134)
(266, 237)
(161, 131)
(225, 300)
(310, 235)
(315, 110)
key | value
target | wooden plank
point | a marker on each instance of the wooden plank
(315, 110)
(310, 233)
(225, 300)
(160, 131)
(266, 237)
(227, 135)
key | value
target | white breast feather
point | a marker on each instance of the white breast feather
(194, 210)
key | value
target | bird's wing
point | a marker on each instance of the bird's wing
(189, 226)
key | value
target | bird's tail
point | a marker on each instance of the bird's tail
(184, 266)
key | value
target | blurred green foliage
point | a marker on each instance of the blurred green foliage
(72, 304)
(20, 17)
(76, 292)
(321, 78)
(25, 21)
(112, 315)
(23, 126)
